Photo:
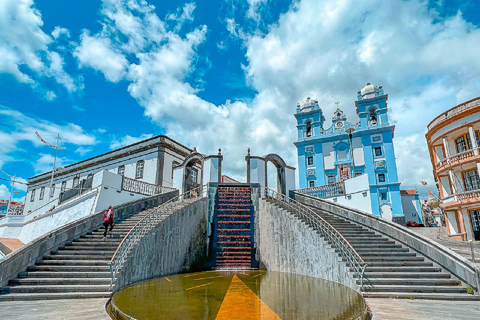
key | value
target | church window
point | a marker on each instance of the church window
(139, 171)
(52, 190)
(331, 178)
(383, 196)
(311, 184)
(373, 117)
(381, 177)
(42, 193)
(32, 196)
(310, 161)
(471, 180)
(378, 151)
(463, 143)
(194, 175)
(121, 170)
(63, 187)
(309, 129)
(76, 180)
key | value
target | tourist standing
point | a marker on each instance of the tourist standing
(108, 220)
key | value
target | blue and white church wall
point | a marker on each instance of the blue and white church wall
(347, 150)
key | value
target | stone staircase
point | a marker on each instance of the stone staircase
(233, 229)
(77, 270)
(393, 270)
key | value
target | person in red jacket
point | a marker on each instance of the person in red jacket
(108, 220)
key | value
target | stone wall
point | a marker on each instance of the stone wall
(20, 259)
(176, 244)
(286, 244)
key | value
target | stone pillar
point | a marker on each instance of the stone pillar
(247, 158)
(451, 176)
(461, 225)
(445, 145)
(473, 140)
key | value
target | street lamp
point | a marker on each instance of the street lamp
(56, 147)
(350, 135)
(13, 181)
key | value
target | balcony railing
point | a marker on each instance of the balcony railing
(325, 191)
(453, 111)
(458, 157)
(145, 188)
(469, 195)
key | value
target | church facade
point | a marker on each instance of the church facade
(351, 150)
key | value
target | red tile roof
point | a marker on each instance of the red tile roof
(409, 191)
(11, 243)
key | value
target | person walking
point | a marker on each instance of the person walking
(108, 221)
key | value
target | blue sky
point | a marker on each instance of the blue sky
(224, 73)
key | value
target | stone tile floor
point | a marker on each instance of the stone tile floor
(383, 309)
(402, 309)
(72, 309)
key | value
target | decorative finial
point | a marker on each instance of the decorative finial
(219, 151)
(194, 149)
(248, 151)
(337, 103)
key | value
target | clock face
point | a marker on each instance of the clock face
(339, 125)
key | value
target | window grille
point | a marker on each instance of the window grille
(121, 170)
(32, 196)
(42, 193)
(471, 180)
(52, 190)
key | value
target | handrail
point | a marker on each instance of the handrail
(140, 229)
(456, 157)
(327, 231)
(326, 190)
(453, 111)
(143, 187)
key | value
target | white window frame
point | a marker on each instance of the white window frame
(140, 165)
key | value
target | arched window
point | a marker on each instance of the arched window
(139, 170)
(121, 170)
(309, 129)
(373, 117)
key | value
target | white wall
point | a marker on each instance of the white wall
(439, 154)
(328, 156)
(445, 186)
(409, 206)
(149, 156)
(358, 151)
(357, 194)
(453, 125)
(452, 222)
(257, 171)
(289, 180)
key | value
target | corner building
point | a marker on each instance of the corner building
(352, 150)
(453, 142)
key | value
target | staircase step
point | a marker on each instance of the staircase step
(64, 274)
(68, 268)
(53, 296)
(424, 295)
(59, 288)
(368, 259)
(399, 263)
(76, 257)
(410, 281)
(402, 269)
(56, 281)
(86, 252)
(409, 275)
(413, 289)
(74, 262)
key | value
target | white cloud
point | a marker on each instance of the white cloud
(27, 51)
(323, 49)
(97, 52)
(83, 151)
(45, 163)
(17, 128)
(59, 31)
(253, 9)
(184, 14)
(127, 140)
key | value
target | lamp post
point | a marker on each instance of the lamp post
(350, 136)
(13, 181)
(56, 147)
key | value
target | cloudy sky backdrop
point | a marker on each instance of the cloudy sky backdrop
(223, 73)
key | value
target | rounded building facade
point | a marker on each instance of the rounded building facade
(453, 140)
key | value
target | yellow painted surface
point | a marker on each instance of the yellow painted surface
(241, 303)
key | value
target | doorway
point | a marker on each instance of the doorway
(475, 221)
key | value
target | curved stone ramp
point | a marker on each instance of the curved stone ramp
(400, 263)
(72, 261)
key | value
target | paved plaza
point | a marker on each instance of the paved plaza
(383, 309)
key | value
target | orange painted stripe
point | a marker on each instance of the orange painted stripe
(168, 279)
(202, 285)
(241, 302)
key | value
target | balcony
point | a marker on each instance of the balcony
(459, 158)
(453, 111)
(325, 191)
(461, 198)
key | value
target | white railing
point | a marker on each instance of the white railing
(145, 188)
(325, 191)
(144, 226)
(327, 231)
(453, 111)
(457, 157)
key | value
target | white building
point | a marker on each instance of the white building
(151, 161)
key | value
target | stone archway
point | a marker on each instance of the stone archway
(191, 177)
(280, 164)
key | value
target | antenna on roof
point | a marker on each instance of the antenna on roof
(56, 147)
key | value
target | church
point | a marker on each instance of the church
(353, 163)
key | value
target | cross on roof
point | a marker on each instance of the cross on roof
(337, 103)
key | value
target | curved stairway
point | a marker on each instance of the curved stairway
(393, 270)
(77, 270)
